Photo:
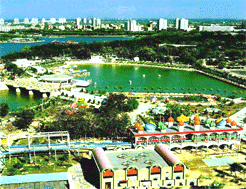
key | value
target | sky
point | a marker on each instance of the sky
(218, 9)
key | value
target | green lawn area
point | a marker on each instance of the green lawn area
(42, 163)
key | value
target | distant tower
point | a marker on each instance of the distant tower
(94, 20)
(43, 20)
(184, 24)
(177, 23)
(78, 21)
(16, 21)
(1, 21)
(52, 20)
(84, 20)
(62, 20)
(26, 20)
(98, 23)
(162, 24)
(34, 21)
(131, 25)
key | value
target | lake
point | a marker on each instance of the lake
(6, 48)
(130, 78)
(112, 77)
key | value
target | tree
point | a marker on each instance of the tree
(24, 118)
(234, 167)
(4, 109)
(132, 104)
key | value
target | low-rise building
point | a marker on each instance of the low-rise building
(214, 28)
(24, 63)
(140, 168)
(189, 133)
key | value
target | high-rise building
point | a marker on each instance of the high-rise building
(52, 20)
(26, 20)
(98, 23)
(177, 23)
(62, 20)
(84, 20)
(132, 26)
(78, 21)
(94, 20)
(16, 21)
(184, 24)
(34, 21)
(162, 24)
(89, 21)
(1, 21)
(43, 20)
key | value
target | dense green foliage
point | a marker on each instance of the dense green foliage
(109, 120)
(4, 109)
(216, 47)
(23, 118)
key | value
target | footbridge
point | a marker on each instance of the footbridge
(50, 142)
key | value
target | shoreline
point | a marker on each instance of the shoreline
(93, 36)
(132, 64)
(167, 67)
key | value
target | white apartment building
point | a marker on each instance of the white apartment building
(34, 21)
(16, 21)
(132, 26)
(62, 20)
(98, 23)
(1, 21)
(52, 20)
(214, 28)
(94, 21)
(78, 21)
(26, 20)
(162, 24)
(184, 24)
(177, 23)
(43, 20)
(84, 20)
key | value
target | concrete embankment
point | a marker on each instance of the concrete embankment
(222, 79)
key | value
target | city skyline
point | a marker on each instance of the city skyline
(192, 9)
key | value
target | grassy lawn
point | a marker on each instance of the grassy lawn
(43, 163)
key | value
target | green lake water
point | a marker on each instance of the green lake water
(116, 78)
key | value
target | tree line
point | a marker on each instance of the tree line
(216, 47)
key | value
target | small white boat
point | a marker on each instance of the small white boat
(143, 75)
(95, 83)
(159, 75)
(136, 68)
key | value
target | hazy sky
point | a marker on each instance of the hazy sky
(10, 9)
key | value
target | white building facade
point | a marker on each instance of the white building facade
(52, 20)
(2, 21)
(34, 21)
(62, 20)
(26, 21)
(16, 21)
(162, 24)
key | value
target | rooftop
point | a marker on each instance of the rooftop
(56, 77)
(187, 130)
(138, 158)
